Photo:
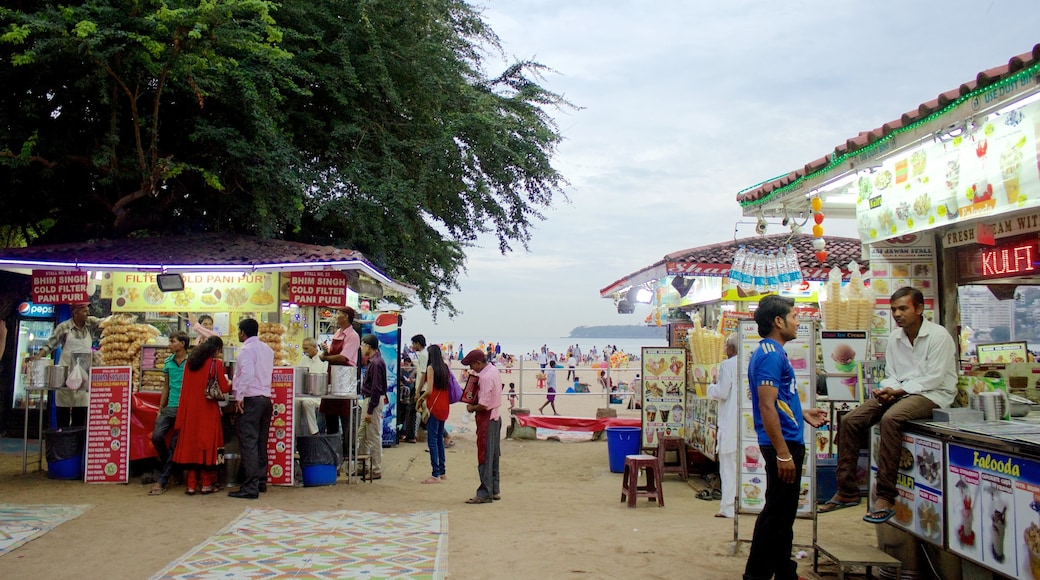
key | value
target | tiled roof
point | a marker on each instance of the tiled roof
(180, 253)
(840, 252)
(763, 191)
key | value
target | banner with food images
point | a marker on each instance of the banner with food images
(976, 171)
(203, 292)
(919, 485)
(664, 394)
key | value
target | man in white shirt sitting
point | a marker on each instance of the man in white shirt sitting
(920, 375)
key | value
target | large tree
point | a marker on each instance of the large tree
(368, 124)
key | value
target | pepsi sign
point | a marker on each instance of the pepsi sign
(31, 310)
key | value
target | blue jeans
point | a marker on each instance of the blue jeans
(435, 440)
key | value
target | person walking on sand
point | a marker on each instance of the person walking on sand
(512, 395)
(727, 393)
(779, 424)
(550, 383)
(489, 426)
(920, 375)
(572, 366)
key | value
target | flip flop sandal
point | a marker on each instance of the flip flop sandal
(879, 516)
(704, 494)
(475, 500)
(716, 494)
(835, 504)
(157, 490)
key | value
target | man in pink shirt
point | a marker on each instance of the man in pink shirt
(489, 425)
(251, 386)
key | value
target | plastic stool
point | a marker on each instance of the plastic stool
(678, 445)
(630, 488)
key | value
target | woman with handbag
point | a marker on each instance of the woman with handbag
(436, 399)
(199, 430)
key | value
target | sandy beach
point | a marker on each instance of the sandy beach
(560, 515)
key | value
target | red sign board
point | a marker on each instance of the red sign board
(59, 286)
(1008, 259)
(325, 288)
(108, 425)
(280, 437)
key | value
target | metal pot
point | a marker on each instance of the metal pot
(299, 380)
(317, 384)
(56, 376)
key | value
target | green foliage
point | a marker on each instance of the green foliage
(368, 124)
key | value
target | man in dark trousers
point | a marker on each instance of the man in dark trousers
(252, 389)
(779, 424)
(373, 393)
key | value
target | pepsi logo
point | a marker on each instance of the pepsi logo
(30, 309)
(23, 308)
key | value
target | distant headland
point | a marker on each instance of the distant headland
(620, 331)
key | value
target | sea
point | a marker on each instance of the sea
(526, 345)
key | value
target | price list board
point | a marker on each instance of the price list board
(280, 436)
(108, 425)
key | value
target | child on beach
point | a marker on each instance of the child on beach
(512, 395)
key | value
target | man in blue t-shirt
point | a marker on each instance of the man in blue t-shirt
(779, 421)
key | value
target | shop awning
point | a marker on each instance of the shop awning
(714, 260)
(989, 90)
(212, 252)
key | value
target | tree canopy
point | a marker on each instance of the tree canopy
(364, 124)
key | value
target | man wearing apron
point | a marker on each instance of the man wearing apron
(76, 337)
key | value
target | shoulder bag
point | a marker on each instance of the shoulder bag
(213, 392)
(454, 390)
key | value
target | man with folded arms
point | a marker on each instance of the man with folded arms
(920, 375)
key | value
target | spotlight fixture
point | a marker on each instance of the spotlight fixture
(170, 282)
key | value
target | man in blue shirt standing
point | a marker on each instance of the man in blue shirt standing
(779, 423)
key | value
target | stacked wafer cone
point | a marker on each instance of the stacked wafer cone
(706, 344)
(848, 308)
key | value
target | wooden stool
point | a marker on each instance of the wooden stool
(847, 556)
(630, 488)
(362, 464)
(678, 445)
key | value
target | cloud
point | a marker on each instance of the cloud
(685, 103)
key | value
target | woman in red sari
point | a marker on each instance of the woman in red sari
(200, 432)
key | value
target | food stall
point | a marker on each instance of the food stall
(149, 285)
(697, 293)
(947, 199)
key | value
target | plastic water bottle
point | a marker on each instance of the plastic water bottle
(761, 277)
(772, 272)
(794, 266)
(735, 271)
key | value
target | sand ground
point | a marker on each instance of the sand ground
(560, 516)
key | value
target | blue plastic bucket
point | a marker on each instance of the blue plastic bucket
(621, 441)
(315, 475)
(71, 468)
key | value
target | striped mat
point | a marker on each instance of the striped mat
(22, 523)
(268, 543)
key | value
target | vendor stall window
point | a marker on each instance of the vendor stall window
(999, 314)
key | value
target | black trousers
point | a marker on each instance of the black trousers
(252, 440)
(771, 543)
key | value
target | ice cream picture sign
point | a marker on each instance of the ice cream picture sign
(984, 169)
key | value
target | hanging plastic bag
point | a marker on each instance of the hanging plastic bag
(77, 378)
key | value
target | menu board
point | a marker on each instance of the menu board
(108, 425)
(905, 261)
(280, 435)
(203, 292)
(752, 489)
(985, 170)
(919, 485)
(995, 518)
(664, 394)
(1002, 352)
(701, 428)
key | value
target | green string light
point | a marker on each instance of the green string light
(877, 144)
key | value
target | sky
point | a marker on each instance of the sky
(683, 103)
